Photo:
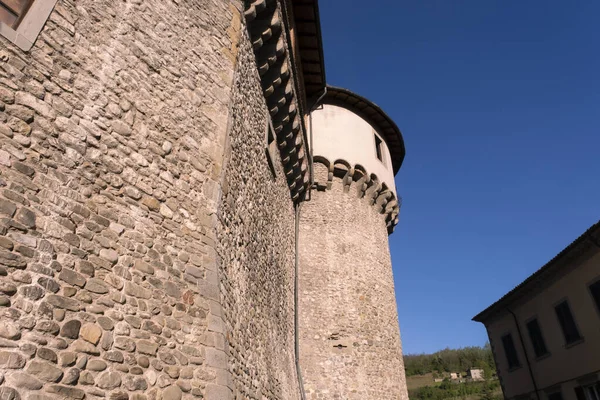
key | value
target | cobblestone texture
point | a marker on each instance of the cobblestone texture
(256, 248)
(112, 134)
(146, 248)
(349, 337)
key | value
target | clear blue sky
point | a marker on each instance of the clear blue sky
(499, 105)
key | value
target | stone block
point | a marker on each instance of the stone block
(216, 358)
(91, 333)
(44, 371)
(71, 329)
(108, 380)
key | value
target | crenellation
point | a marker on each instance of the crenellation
(357, 180)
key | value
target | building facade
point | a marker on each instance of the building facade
(545, 332)
(154, 160)
(475, 374)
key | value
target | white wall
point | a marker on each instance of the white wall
(340, 134)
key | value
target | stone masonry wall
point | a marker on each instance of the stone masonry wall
(112, 134)
(349, 337)
(256, 250)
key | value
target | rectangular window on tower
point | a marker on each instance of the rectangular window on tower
(378, 147)
(21, 21)
(271, 147)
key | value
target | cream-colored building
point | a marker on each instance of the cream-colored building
(475, 374)
(545, 333)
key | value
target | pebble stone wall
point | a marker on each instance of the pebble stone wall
(349, 337)
(112, 140)
(256, 248)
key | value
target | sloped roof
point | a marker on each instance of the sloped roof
(310, 45)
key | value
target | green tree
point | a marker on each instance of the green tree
(487, 393)
(450, 360)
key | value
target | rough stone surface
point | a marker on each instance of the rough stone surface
(349, 336)
(256, 208)
(44, 371)
(70, 329)
(172, 393)
(91, 333)
(146, 246)
(112, 145)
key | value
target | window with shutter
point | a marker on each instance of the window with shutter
(555, 396)
(13, 11)
(567, 322)
(592, 392)
(588, 392)
(537, 340)
(379, 148)
(595, 291)
(510, 351)
(271, 148)
(21, 21)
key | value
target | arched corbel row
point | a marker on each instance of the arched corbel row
(361, 179)
(343, 170)
(323, 173)
(267, 34)
(383, 197)
(357, 181)
(373, 189)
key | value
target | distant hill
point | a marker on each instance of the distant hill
(423, 369)
(450, 360)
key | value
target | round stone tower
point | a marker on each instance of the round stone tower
(349, 336)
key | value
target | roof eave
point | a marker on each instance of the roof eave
(307, 29)
(561, 260)
(373, 114)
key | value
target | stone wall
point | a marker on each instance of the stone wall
(112, 135)
(256, 249)
(349, 337)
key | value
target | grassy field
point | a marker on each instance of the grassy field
(417, 381)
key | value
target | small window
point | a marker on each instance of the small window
(510, 351)
(567, 322)
(378, 148)
(21, 21)
(271, 148)
(555, 396)
(13, 11)
(537, 340)
(588, 392)
(595, 291)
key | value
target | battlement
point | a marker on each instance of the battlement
(357, 181)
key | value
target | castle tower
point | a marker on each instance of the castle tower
(349, 336)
